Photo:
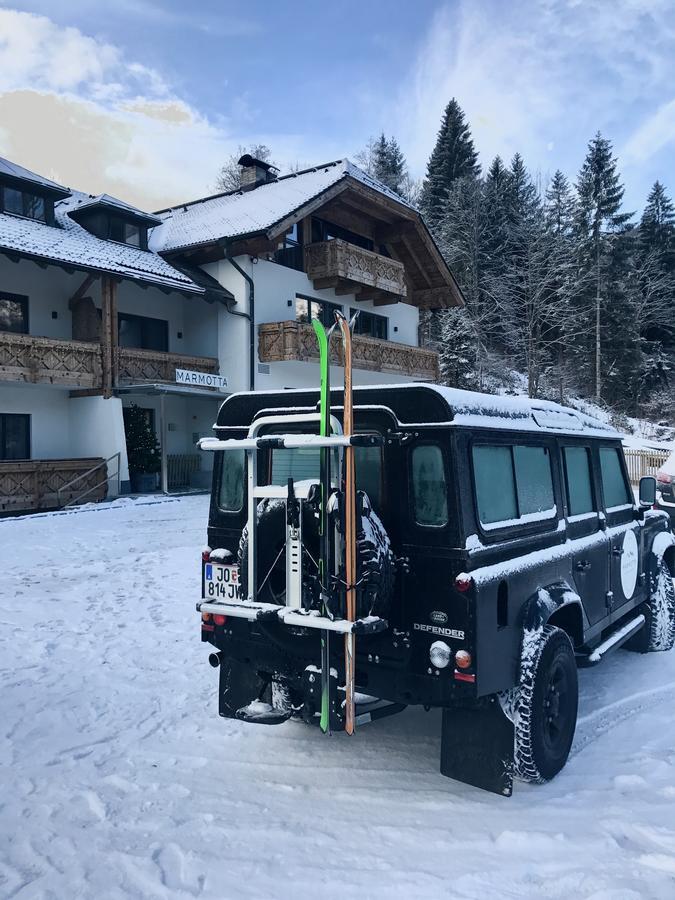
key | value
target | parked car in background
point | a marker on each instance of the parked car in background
(665, 486)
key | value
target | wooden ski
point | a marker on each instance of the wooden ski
(349, 481)
(324, 539)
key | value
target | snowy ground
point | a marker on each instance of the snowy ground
(118, 779)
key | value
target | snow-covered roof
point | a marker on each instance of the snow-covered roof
(105, 201)
(240, 213)
(14, 171)
(68, 243)
(470, 409)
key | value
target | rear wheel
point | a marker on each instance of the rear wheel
(658, 632)
(545, 705)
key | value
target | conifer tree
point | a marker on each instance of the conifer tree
(657, 225)
(454, 156)
(600, 194)
(458, 351)
(559, 205)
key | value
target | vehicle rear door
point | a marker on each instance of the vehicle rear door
(622, 527)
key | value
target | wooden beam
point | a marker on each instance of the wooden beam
(322, 284)
(114, 335)
(415, 258)
(82, 290)
(386, 299)
(392, 234)
(340, 214)
(348, 287)
(366, 206)
(432, 298)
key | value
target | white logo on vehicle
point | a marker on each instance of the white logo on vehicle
(629, 564)
(434, 629)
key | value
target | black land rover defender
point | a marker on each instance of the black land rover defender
(500, 547)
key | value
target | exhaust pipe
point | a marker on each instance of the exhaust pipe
(214, 660)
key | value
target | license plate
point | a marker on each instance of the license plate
(221, 582)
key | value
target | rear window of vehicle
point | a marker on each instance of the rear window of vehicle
(614, 485)
(231, 490)
(304, 464)
(429, 488)
(513, 483)
(578, 480)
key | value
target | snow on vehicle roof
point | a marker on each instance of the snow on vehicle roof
(240, 213)
(473, 409)
(70, 243)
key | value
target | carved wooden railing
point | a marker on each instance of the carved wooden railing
(293, 341)
(341, 260)
(32, 484)
(152, 365)
(43, 360)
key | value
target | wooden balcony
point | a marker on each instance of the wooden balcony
(136, 366)
(42, 360)
(352, 270)
(296, 341)
(31, 484)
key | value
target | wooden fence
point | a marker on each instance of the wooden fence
(644, 461)
(180, 466)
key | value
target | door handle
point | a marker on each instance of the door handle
(583, 565)
(617, 551)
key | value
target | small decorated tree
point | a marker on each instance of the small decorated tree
(143, 450)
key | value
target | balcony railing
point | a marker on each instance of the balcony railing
(42, 360)
(152, 365)
(350, 265)
(296, 341)
(29, 484)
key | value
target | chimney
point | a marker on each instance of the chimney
(255, 172)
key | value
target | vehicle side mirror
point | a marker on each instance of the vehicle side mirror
(647, 491)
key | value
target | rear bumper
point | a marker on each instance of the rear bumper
(271, 647)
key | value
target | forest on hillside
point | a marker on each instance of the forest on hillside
(562, 284)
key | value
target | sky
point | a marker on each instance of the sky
(146, 99)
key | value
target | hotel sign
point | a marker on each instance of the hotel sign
(201, 379)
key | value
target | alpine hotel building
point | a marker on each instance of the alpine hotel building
(103, 305)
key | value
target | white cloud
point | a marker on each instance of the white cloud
(655, 133)
(112, 123)
(533, 74)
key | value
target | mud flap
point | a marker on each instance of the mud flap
(477, 747)
(238, 686)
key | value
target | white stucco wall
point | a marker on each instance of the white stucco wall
(49, 409)
(48, 291)
(97, 429)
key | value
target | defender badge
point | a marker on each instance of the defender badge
(438, 617)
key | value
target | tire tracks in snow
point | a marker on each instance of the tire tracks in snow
(597, 723)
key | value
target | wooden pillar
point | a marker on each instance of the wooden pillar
(106, 362)
(114, 334)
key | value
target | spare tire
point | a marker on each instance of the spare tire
(375, 572)
(271, 538)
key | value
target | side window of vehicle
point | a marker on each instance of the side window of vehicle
(578, 481)
(232, 477)
(514, 484)
(429, 487)
(533, 480)
(614, 485)
(495, 484)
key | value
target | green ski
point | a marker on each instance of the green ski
(324, 538)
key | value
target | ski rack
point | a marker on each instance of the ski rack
(292, 613)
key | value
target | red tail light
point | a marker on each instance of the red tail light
(219, 620)
(463, 582)
(464, 676)
(206, 554)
